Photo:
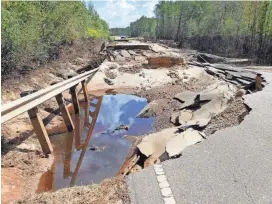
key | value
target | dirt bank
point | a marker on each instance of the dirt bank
(112, 190)
(22, 159)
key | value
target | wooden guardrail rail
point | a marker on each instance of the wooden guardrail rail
(30, 102)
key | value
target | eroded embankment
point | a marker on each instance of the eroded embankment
(188, 102)
(22, 157)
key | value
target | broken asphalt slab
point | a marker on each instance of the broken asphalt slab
(232, 74)
(176, 145)
(169, 141)
(233, 166)
(206, 104)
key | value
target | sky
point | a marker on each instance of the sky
(120, 13)
(111, 117)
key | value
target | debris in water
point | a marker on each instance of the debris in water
(74, 165)
(122, 127)
(108, 81)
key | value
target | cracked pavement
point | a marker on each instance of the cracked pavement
(233, 165)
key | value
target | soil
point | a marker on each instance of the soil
(113, 190)
(20, 174)
(137, 68)
(233, 115)
(164, 96)
(22, 159)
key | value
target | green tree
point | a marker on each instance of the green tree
(33, 31)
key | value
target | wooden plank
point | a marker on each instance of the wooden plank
(85, 91)
(40, 131)
(15, 108)
(65, 113)
(74, 99)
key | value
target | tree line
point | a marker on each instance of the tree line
(33, 31)
(230, 28)
(143, 27)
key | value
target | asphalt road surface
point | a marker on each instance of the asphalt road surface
(232, 166)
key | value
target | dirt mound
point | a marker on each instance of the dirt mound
(113, 190)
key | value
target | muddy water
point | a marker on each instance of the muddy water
(84, 157)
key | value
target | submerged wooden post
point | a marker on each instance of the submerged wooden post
(74, 99)
(65, 113)
(40, 130)
(84, 88)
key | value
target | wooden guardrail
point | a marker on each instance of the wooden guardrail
(30, 102)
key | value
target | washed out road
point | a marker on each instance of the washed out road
(232, 166)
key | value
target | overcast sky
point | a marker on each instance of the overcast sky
(119, 13)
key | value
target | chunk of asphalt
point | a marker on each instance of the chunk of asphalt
(206, 111)
(125, 54)
(177, 144)
(174, 118)
(200, 123)
(186, 96)
(184, 116)
(154, 144)
(132, 52)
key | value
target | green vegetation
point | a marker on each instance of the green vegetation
(143, 27)
(33, 31)
(120, 31)
(230, 28)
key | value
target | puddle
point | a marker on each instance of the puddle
(82, 158)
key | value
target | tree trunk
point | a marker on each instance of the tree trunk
(179, 23)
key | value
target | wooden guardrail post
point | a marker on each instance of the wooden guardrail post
(84, 88)
(40, 130)
(19, 106)
(74, 99)
(65, 113)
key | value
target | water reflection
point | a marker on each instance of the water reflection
(95, 150)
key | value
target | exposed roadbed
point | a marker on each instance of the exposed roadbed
(232, 166)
